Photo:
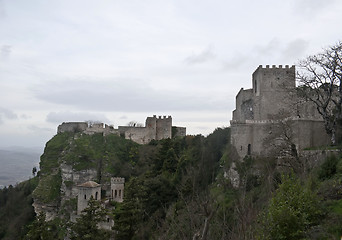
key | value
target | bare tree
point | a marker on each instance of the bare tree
(134, 124)
(320, 77)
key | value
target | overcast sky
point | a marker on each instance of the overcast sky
(122, 60)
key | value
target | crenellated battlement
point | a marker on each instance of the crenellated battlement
(117, 180)
(276, 67)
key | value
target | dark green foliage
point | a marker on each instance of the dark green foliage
(292, 211)
(16, 209)
(129, 214)
(86, 227)
(328, 168)
(40, 229)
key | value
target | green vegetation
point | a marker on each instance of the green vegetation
(48, 189)
(176, 189)
(86, 227)
(16, 209)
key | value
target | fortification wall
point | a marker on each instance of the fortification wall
(137, 134)
(72, 127)
(244, 105)
(179, 131)
(155, 128)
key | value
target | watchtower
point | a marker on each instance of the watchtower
(117, 188)
(85, 192)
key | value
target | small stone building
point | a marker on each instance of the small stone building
(85, 192)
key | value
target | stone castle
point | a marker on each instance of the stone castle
(92, 189)
(156, 128)
(271, 112)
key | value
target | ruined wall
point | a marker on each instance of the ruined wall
(72, 127)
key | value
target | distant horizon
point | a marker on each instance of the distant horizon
(116, 62)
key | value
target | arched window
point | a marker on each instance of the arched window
(96, 195)
(116, 194)
(85, 196)
(249, 149)
(112, 193)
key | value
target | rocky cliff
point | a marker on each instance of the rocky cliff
(70, 159)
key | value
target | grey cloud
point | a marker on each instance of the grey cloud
(6, 114)
(202, 57)
(269, 49)
(67, 116)
(235, 62)
(128, 95)
(5, 52)
(295, 49)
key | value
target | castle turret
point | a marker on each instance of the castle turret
(85, 192)
(117, 189)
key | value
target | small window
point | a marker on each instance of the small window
(116, 193)
(112, 193)
(96, 194)
(119, 193)
(249, 149)
(85, 196)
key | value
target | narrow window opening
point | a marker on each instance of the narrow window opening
(119, 193)
(249, 149)
(116, 193)
(96, 195)
(85, 196)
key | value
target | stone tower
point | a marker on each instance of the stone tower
(117, 189)
(261, 110)
(85, 192)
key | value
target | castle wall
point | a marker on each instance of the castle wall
(179, 131)
(155, 129)
(72, 127)
(244, 105)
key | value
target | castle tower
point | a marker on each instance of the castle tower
(273, 91)
(164, 127)
(117, 189)
(85, 192)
